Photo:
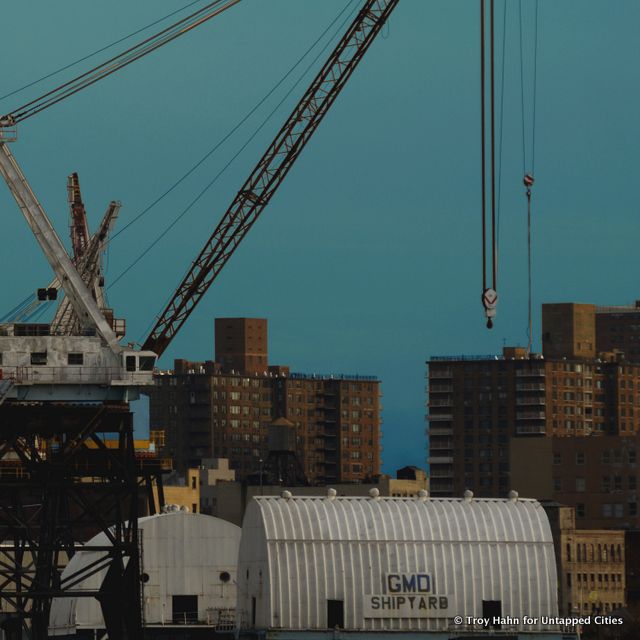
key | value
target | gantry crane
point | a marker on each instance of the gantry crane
(126, 369)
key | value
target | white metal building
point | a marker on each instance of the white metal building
(190, 560)
(394, 564)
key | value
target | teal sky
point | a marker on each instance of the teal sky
(368, 258)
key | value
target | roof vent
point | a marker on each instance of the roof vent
(468, 495)
(513, 495)
(287, 495)
(331, 494)
(374, 493)
(423, 495)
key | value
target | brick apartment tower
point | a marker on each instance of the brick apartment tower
(241, 344)
(476, 404)
(223, 409)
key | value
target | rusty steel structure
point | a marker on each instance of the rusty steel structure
(60, 484)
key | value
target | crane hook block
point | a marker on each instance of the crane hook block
(528, 180)
(489, 302)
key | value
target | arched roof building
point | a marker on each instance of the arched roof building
(190, 564)
(393, 564)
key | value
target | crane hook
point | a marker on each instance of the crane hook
(489, 302)
(528, 183)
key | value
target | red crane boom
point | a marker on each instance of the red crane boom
(269, 173)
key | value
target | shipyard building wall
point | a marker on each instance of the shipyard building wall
(190, 561)
(405, 564)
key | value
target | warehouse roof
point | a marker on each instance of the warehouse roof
(422, 518)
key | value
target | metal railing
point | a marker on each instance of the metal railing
(332, 376)
(72, 375)
(465, 358)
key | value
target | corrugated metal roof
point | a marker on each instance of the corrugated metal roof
(434, 519)
(317, 549)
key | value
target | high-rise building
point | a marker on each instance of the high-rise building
(216, 409)
(618, 329)
(476, 404)
(598, 477)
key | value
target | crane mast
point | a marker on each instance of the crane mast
(269, 173)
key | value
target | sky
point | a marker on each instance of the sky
(368, 259)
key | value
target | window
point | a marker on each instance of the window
(580, 511)
(579, 457)
(130, 363)
(75, 359)
(557, 458)
(40, 358)
(580, 484)
(147, 363)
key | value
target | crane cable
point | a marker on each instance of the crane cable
(489, 295)
(116, 63)
(257, 130)
(528, 179)
(96, 51)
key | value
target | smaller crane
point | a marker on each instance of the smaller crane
(90, 364)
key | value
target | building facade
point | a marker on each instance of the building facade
(476, 404)
(213, 409)
(590, 564)
(596, 476)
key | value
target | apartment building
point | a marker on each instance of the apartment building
(222, 408)
(476, 404)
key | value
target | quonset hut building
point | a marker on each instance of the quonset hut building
(309, 566)
(189, 562)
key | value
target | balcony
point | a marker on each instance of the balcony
(440, 373)
(441, 417)
(530, 401)
(439, 431)
(530, 415)
(530, 373)
(440, 402)
(440, 443)
(440, 388)
(440, 460)
(441, 473)
(530, 386)
(531, 429)
(441, 488)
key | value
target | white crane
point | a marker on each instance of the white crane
(92, 365)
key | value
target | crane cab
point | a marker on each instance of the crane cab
(38, 366)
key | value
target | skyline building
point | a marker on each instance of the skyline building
(579, 386)
(223, 408)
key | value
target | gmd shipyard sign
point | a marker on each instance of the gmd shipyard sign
(407, 595)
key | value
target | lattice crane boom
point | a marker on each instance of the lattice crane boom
(269, 173)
